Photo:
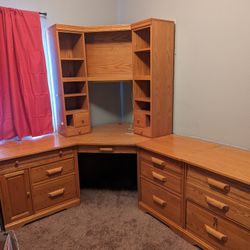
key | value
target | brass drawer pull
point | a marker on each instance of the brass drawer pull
(217, 184)
(159, 176)
(159, 201)
(217, 204)
(54, 171)
(106, 149)
(56, 193)
(218, 235)
(158, 161)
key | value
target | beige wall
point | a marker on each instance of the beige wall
(75, 12)
(212, 65)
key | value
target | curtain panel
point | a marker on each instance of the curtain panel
(24, 95)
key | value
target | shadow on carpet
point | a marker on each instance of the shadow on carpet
(104, 220)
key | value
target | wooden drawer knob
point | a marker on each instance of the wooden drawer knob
(158, 161)
(218, 235)
(159, 176)
(159, 201)
(217, 184)
(16, 163)
(61, 153)
(56, 193)
(106, 149)
(217, 204)
(54, 171)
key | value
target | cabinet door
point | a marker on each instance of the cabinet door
(16, 199)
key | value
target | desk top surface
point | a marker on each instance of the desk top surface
(112, 134)
(227, 161)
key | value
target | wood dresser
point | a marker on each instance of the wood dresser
(199, 189)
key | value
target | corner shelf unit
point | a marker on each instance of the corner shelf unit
(73, 85)
(153, 57)
(141, 52)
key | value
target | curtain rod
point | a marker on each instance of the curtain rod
(43, 13)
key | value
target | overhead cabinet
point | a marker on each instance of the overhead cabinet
(142, 53)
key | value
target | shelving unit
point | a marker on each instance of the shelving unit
(153, 46)
(73, 93)
(141, 53)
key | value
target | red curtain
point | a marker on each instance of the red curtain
(24, 94)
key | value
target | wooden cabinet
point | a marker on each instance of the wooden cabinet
(38, 185)
(142, 52)
(16, 195)
(72, 85)
(207, 208)
(153, 58)
(161, 187)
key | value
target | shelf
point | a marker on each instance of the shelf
(141, 38)
(72, 68)
(71, 44)
(142, 99)
(73, 79)
(142, 77)
(144, 112)
(110, 78)
(75, 95)
(72, 59)
(71, 112)
(142, 50)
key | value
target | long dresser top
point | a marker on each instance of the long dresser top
(226, 161)
(223, 160)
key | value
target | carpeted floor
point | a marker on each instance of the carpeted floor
(104, 220)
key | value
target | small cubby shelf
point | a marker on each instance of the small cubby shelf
(71, 45)
(77, 87)
(141, 38)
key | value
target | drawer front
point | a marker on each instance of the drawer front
(52, 171)
(219, 232)
(162, 162)
(81, 119)
(161, 201)
(140, 120)
(163, 178)
(48, 194)
(217, 184)
(37, 159)
(107, 149)
(219, 204)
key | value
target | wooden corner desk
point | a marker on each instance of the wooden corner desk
(199, 189)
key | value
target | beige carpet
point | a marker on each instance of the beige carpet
(104, 220)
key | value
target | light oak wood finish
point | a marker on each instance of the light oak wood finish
(49, 194)
(160, 200)
(207, 196)
(153, 57)
(220, 233)
(143, 52)
(109, 55)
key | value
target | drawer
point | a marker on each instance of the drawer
(217, 184)
(81, 119)
(219, 204)
(140, 120)
(163, 178)
(37, 159)
(219, 232)
(52, 193)
(161, 201)
(107, 149)
(161, 162)
(53, 170)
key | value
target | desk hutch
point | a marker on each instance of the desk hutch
(199, 189)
